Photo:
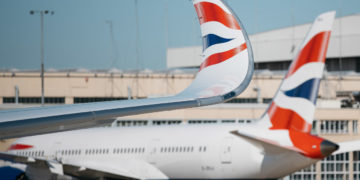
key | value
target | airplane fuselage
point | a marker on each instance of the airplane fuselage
(180, 152)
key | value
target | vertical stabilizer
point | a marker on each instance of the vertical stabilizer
(293, 105)
(287, 122)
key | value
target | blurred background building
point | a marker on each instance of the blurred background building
(338, 106)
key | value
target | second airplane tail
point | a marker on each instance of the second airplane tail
(287, 123)
(293, 105)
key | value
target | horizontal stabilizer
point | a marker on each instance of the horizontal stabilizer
(306, 144)
(126, 169)
(348, 146)
(54, 166)
(271, 143)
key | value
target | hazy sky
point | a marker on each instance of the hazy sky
(78, 35)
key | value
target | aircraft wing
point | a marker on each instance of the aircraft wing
(38, 161)
(225, 72)
(127, 169)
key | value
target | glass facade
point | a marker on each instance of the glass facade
(334, 126)
(308, 173)
(335, 167)
(96, 99)
(356, 165)
(34, 100)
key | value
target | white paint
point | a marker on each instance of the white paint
(265, 121)
(301, 75)
(214, 27)
(220, 78)
(322, 23)
(246, 157)
(217, 48)
(277, 137)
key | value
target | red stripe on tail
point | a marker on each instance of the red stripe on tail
(287, 119)
(307, 143)
(223, 56)
(313, 51)
(211, 12)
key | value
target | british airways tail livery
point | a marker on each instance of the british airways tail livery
(296, 97)
(288, 120)
(225, 72)
(225, 46)
(278, 144)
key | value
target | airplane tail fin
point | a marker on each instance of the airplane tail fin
(227, 62)
(293, 105)
(286, 124)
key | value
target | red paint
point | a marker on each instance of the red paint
(313, 51)
(223, 56)
(207, 12)
(20, 147)
(287, 119)
(309, 144)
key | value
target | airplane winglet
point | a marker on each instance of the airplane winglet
(227, 61)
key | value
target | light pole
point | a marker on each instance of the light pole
(42, 12)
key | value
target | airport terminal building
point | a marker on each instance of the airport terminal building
(338, 106)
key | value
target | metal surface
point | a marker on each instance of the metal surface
(32, 121)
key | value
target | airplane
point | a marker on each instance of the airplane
(276, 145)
(224, 74)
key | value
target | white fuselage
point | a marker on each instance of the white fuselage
(180, 152)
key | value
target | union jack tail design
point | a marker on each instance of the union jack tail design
(287, 122)
(294, 104)
(227, 62)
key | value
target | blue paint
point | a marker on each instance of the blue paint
(308, 90)
(9, 173)
(212, 39)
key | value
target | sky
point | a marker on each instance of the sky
(78, 34)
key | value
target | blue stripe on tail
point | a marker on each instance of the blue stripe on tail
(308, 90)
(212, 39)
